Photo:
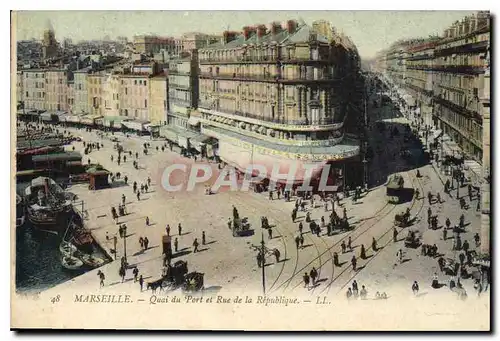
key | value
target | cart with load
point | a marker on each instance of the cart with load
(402, 219)
(193, 282)
(174, 276)
(412, 240)
(241, 228)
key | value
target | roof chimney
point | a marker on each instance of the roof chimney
(261, 30)
(246, 32)
(275, 28)
(229, 36)
(291, 26)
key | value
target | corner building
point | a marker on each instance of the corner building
(279, 96)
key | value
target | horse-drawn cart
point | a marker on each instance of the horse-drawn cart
(402, 219)
(172, 277)
(241, 228)
(413, 239)
(193, 281)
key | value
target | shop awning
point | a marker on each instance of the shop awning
(114, 121)
(46, 116)
(193, 120)
(168, 133)
(134, 125)
(437, 134)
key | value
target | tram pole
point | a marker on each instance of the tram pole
(263, 264)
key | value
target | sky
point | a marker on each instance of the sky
(371, 31)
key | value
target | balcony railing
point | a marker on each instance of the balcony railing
(264, 60)
(270, 78)
(457, 108)
(180, 73)
(481, 46)
(179, 86)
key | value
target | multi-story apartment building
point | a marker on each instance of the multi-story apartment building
(95, 91)
(81, 95)
(459, 67)
(34, 88)
(149, 45)
(279, 96)
(182, 89)
(111, 93)
(195, 40)
(56, 89)
(19, 89)
(158, 94)
(419, 78)
(134, 95)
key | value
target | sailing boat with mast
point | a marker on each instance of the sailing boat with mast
(47, 205)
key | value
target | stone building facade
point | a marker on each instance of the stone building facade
(278, 94)
(34, 87)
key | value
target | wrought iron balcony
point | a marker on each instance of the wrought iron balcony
(481, 46)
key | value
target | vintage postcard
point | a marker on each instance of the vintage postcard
(251, 170)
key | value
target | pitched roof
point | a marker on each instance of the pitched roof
(302, 34)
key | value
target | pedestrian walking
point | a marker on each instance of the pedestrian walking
(277, 254)
(394, 235)
(167, 229)
(355, 288)
(195, 245)
(362, 253)
(441, 263)
(138, 196)
(363, 293)
(306, 280)
(349, 294)
(297, 242)
(146, 243)
(203, 238)
(141, 242)
(146, 188)
(313, 274)
(176, 244)
(349, 243)
(270, 233)
(302, 241)
(136, 273)
(399, 256)
(301, 227)
(270, 195)
(438, 197)
(101, 278)
(121, 273)
(465, 246)
(123, 199)
(336, 259)
(147, 221)
(179, 228)
(445, 234)
(353, 262)
(343, 246)
(141, 282)
(461, 258)
(415, 288)
(374, 244)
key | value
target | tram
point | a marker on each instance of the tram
(394, 188)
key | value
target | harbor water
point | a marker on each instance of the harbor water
(38, 259)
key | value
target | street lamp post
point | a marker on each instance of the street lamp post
(262, 250)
